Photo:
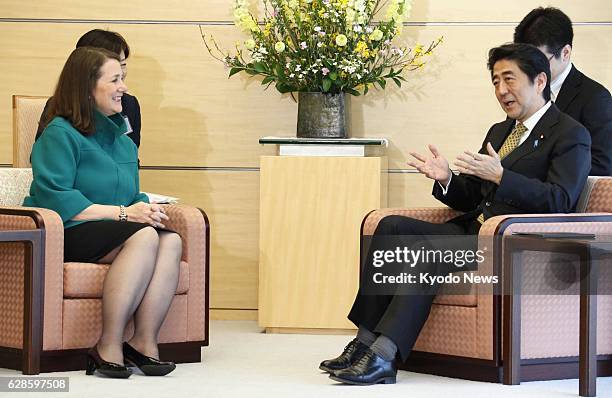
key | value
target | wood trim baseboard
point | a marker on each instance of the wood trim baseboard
(233, 314)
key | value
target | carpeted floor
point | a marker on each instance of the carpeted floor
(243, 362)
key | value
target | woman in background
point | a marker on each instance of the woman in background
(85, 169)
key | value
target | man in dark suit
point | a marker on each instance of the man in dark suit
(537, 161)
(114, 42)
(582, 98)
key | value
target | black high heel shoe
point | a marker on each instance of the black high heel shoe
(149, 366)
(109, 369)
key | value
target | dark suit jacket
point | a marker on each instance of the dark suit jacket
(545, 174)
(131, 109)
(589, 103)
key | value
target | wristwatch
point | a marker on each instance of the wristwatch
(122, 213)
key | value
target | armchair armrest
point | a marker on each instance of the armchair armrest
(431, 214)
(52, 230)
(192, 225)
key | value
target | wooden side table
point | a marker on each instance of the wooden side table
(311, 209)
(587, 250)
(33, 280)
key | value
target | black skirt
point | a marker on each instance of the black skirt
(92, 240)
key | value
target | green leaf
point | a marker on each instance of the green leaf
(267, 80)
(280, 71)
(233, 71)
(326, 84)
(352, 91)
(365, 90)
(333, 75)
(283, 88)
(397, 81)
(382, 82)
(259, 67)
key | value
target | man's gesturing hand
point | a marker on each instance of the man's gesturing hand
(488, 167)
(434, 167)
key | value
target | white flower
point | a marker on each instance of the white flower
(292, 75)
(317, 28)
(319, 44)
(341, 40)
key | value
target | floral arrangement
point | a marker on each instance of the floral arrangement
(328, 46)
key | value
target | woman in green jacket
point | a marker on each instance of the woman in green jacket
(85, 169)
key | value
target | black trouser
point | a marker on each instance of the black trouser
(401, 317)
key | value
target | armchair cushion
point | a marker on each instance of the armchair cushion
(85, 280)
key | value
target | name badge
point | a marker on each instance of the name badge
(129, 126)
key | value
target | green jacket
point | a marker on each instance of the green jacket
(72, 171)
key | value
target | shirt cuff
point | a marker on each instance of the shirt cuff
(445, 188)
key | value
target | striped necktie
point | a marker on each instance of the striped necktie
(511, 143)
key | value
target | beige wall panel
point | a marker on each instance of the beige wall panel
(411, 190)
(176, 10)
(505, 11)
(194, 116)
(218, 10)
(231, 201)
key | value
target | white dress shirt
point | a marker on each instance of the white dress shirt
(555, 85)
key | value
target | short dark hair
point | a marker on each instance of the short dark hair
(73, 96)
(529, 59)
(111, 41)
(548, 27)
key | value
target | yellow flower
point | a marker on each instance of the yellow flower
(362, 49)
(341, 40)
(418, 49)
(279, 46)
(267, 28)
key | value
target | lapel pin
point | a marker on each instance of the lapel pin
(535, 143)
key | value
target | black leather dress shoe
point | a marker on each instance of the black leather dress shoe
(353, 350)
(367, 370)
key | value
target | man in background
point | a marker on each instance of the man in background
(573, 93)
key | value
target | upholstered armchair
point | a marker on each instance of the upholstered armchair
(463, 334)
(51, 310)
